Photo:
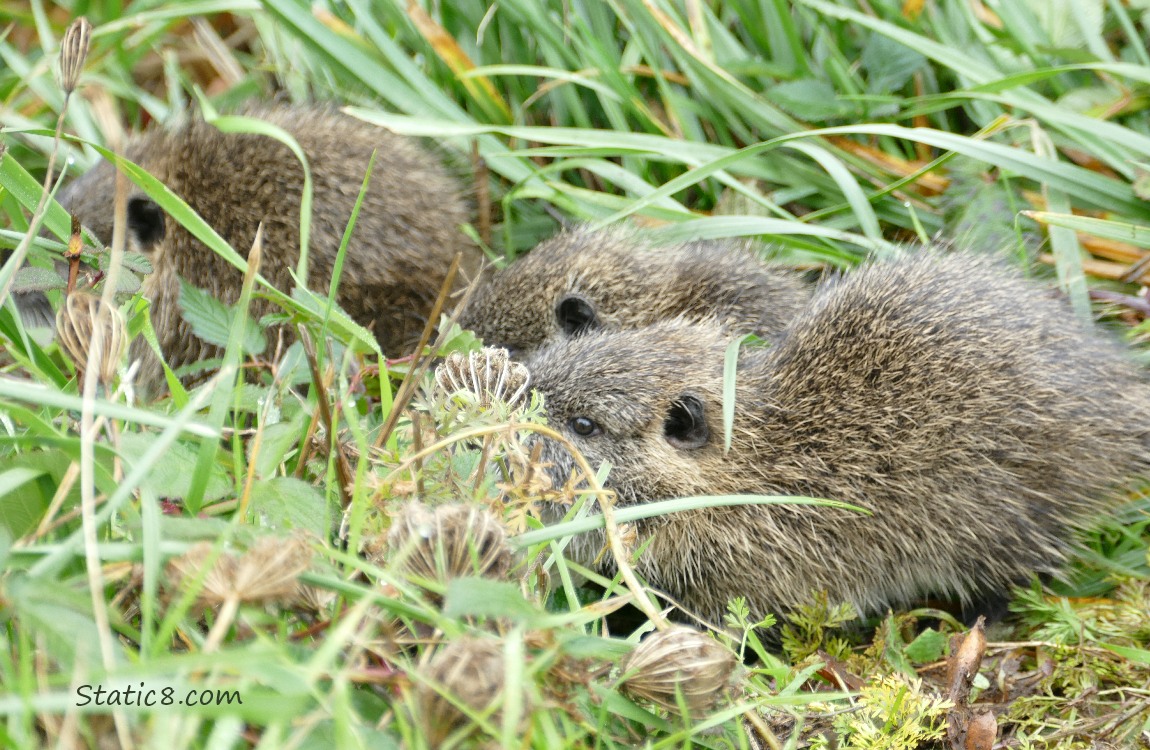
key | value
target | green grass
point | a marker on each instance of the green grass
(831, 130)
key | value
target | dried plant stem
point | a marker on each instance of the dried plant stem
(417, 466)
(343, 470)
(88, 436)
(223, 623)
(482, 194)
(419, 362)
(761, 729)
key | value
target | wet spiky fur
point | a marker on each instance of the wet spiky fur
(405, 237)
(962, 405)
(630, 281)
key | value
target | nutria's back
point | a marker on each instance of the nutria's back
(612, 279)
(406, 234)
(960, 404)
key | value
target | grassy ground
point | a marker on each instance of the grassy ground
(831, 129)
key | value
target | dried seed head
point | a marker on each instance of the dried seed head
(314, 598)
(76, 324)
(448, 542)
(217, 584)
(489, 374)
(679, 660)
(268, 572)
(74, 50)
(471, 671)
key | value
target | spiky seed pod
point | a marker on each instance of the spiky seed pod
(74, 49)
(489, 374)
(679, 660)
(471, 671)
(75, 326)
(448, 542)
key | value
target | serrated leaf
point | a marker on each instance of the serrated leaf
(930, 645)
(60, 615)
(286, 503)
(211, 319)
(36, 279)
(137, 262)
(23, 499)
(275, 443)
(482, 597)
(172, 477)
(889, 65)
(810, 99)
(127, 282)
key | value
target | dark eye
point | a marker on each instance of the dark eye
(585, 427)
(575, 315)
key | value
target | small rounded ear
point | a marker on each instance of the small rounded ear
(145, 222)
(686, 424)
(575, 315)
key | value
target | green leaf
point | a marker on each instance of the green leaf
(1136, 655)
(276, 442)
(810, 99)
(212, 320)
(137, 262)
(930, 645)
(663, 507)
(287, 503)
(58, 614)
(1134, 234)
(730, 367)
(23, 499)
(171, 477)
(889, 65)
(482, 597)
(36, 279)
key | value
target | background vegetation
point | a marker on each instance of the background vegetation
(829, 129)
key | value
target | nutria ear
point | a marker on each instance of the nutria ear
(575, 315)
(145, 222)
(686, 425)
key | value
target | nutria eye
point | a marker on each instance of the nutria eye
(585, 427)
(575, 315)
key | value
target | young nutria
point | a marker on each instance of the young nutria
(963, 406)
(583, 280)
(405, 237)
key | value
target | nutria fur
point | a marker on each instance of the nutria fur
(612, 279)
(959, 403)
(405, 237)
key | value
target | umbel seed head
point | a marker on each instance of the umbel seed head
(489, 374)
(679, 663)
(471, 671)
(449, 541)
(76, 327)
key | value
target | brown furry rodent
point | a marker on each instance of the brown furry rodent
(405, 237)
(959, 403)
(583, 280)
